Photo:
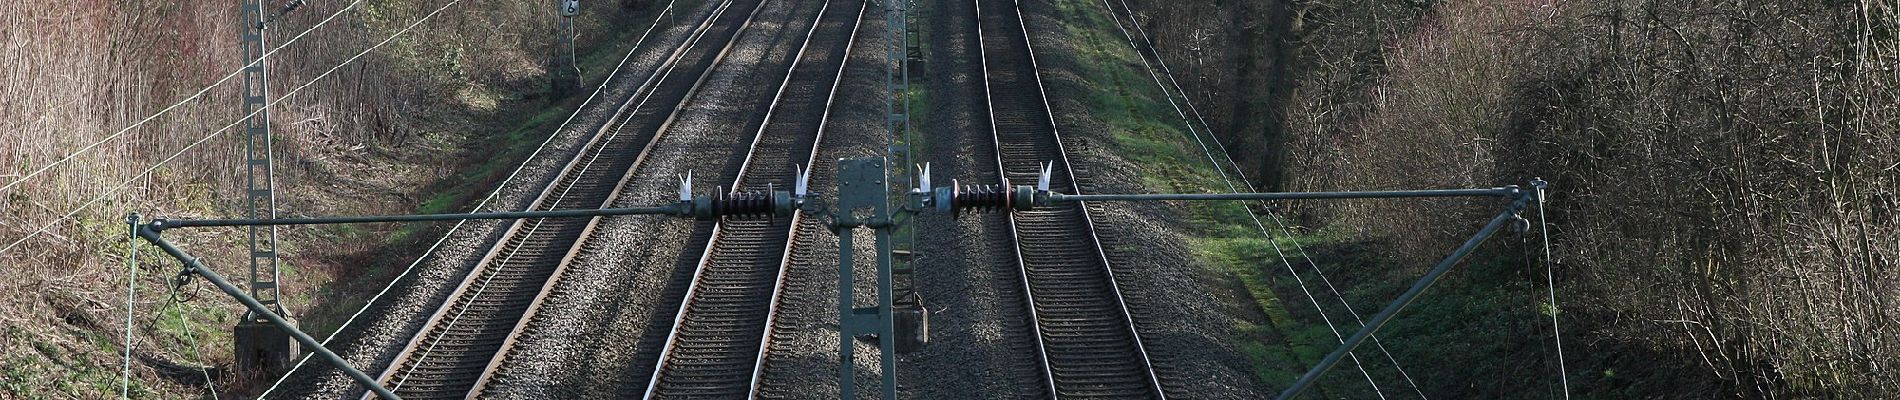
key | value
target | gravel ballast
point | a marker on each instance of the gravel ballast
(371, 341)
(1187, 315)
(803, 361)
(598, 334)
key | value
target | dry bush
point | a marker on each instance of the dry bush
(1429, 121)
(77, 72)
(1725, 217)
(1231, 59)
(1724, 172)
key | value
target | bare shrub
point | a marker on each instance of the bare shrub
(1724, 171)
(78, 72)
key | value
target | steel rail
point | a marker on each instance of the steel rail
(699, 271)
(798, 217)
(696, 290)
(193, 265)
(1042, 347)
(534, 306)
(622, 115)
(1099, 255)
(618, 68)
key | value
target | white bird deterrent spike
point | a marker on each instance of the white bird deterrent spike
(686, 186)
(1042, 182)
(804, 181)
(923, 178)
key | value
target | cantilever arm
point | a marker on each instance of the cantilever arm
(192, 265)
(677, 209)
(1507, 192)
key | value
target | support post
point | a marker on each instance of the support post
(258, 347)
(861, 186)
(564, 72)
(911, 308)
(1509, 214)
(898, 79)
(897, 88)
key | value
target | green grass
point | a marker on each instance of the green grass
(64, 373)
(1485, 303)
(498, 154)
(1147, 132)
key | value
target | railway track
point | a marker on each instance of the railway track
(718, 339)
(1088, 343)
(463, 338)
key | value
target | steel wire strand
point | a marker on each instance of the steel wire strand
(172, 299)
(131, 292)
(1062, 151)
(1169, 72)
(557, 201)
(1284, 229)
(220, 131)
(193, 97)
(191, 339)
(1228, 181)
(1288, 232)
(1550, 281)
(492, 195)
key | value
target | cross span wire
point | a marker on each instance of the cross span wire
(1550, 281)
(1228, 181)
(193, 97)
(131, 293)
(1301, 249)
(537, 223)
(218, 132)
(479, 206)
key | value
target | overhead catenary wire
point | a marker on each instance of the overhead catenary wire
(131, 293)
(215, 133)
(483, 286)
(1169, 72)
(1285, 231)
(210, 385)
(1239, 172)
(1550, 281)
(132, 249)
(191, 340)
(172, 296)
(1288, 232)
(193, 97)
(492, 195)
